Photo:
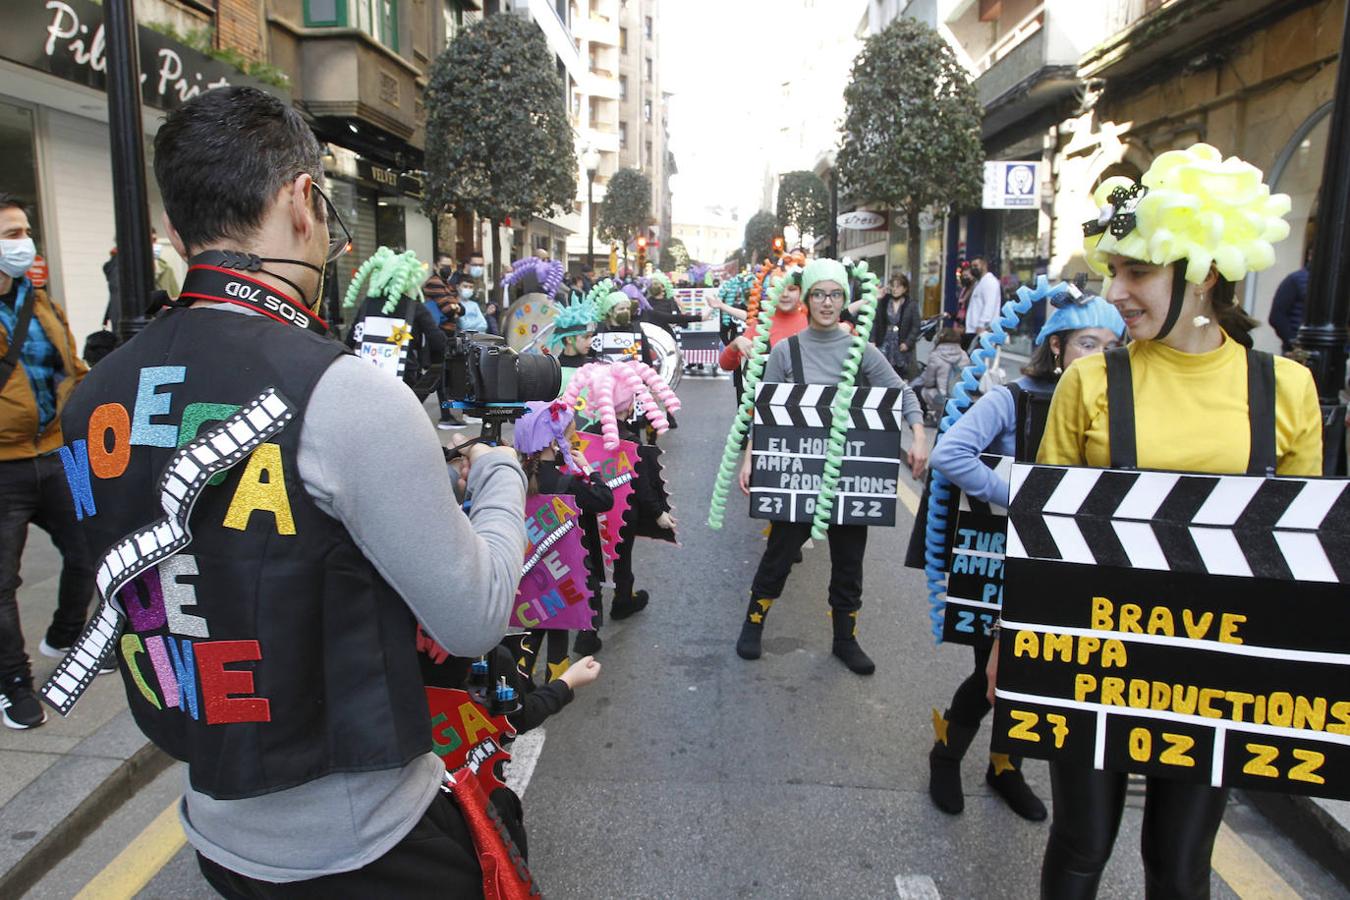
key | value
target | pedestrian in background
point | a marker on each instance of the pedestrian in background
(985, 298)
(944, 367)
(38, 371)
(895, 329)
(438, 291)
(1286, 309)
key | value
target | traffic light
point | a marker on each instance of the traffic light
(642, 254)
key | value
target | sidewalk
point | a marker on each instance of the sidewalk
(62, 779)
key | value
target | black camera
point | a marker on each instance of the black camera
(481, 370)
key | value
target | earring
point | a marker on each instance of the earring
(1059, 370)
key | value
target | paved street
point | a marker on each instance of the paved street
(687, 772)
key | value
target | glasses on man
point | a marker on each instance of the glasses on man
(834, 296)
(339, 238)
(1089, 344)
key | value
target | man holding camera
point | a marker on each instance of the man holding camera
(274, 650)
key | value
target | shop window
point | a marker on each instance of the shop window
(319, 13)
(379, 19)
(20, 163)
(1298, 173)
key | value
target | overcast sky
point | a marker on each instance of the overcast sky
(710, 66)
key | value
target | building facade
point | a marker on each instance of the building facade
(54, 139)
(643, 118)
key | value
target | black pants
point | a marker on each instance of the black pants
(1180, 823)
(436, 859)
(848, 545)
(623, 566)
(970, 703)
(35, 490)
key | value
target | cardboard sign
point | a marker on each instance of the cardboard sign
(466, 736)
(790, 438)
(384, 342)
(975, 565)
(1184, 626)
(553, 591)
(694, 301)
(699, 347)
(618, 468)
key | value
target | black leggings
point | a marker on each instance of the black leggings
(970, 703)
(1180, 823)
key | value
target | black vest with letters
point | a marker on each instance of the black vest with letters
(269, 652)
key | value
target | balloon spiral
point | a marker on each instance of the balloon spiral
(939, 492)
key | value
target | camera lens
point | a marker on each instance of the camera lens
(538, 377)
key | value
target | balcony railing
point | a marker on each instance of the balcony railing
(1032, 23)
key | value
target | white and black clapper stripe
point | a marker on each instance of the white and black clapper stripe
(808, 406)
(1290, 529)
(185, 475)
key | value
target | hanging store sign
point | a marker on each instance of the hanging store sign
(1011, 184)
(65, 38)
(862, 220)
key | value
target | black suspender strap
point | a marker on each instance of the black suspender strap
(1019, 416)
(1261, 410)
(1120, 407)
(795, 352)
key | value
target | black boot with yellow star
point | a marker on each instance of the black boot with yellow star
(1005, 777)
(752, 629)
(846, 645)
(944, 762)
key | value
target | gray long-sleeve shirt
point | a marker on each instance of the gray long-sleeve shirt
(370, 458)
(823, 355)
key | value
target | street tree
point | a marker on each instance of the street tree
(626, 210)
(499, 140)
(911, 133)
(759, 234)
(674, 255)
(803, 204)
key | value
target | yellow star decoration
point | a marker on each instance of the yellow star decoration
(521, 662)
(401, 334)
(757, 618)
(1001, 763)
(940, 727)
(555, 670)
(765, 603)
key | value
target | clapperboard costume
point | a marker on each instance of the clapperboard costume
(1133, 583)
(393, 329)
(824, 471)
(975, 455)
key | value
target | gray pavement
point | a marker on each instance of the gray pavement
(687, 772)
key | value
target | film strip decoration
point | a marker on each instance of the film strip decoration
(1179, 625)
(185, 476)
(975, 564)
(788, 454)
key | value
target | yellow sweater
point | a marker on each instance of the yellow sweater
(1190, 413)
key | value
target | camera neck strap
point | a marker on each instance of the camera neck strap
(214, 277)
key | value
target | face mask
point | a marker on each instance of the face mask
(466, 293)
(159, 251)
(476, 271)
(445, 272)
(16, 256)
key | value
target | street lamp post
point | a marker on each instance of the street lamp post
(591, 160)
(135, 267)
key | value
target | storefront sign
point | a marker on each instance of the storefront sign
(862, 220)
(1185, 626)
(65, 38)
(408, 184)
(1011, 185)
(789, 450)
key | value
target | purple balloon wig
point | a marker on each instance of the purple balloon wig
(544, 426)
